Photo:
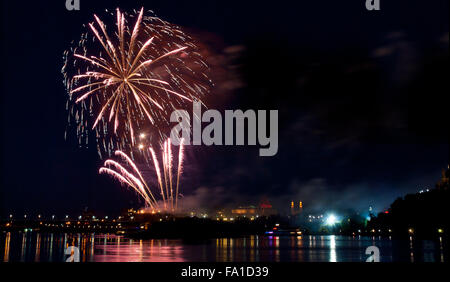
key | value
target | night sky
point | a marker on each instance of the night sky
(362, 99)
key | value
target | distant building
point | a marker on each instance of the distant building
(264, 209)
(247, 211)
(296, 208)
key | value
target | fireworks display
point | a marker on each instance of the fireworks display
(130, 175)
(128, 79)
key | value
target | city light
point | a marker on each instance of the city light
(331, 220)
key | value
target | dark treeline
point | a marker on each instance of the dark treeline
(424, 214)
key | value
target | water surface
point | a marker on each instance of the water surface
(50, 247)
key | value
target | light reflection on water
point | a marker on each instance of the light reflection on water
(36, 247)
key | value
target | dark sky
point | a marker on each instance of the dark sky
(362, 99)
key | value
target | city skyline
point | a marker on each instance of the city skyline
(340, 141)
(234, 139)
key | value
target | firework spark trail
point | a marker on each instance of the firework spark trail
(164, 161)
(131, 163)
(169, 168)
(125, 173)
(132, 179)
(120, 73)
(141, 72)
(137, 182)
(123, 180)
(180, 167)
(158, 174)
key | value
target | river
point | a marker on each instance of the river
(50, 247)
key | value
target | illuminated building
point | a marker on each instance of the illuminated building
(247, 211)
(244, 210)
(298, 210)
(264, 209)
